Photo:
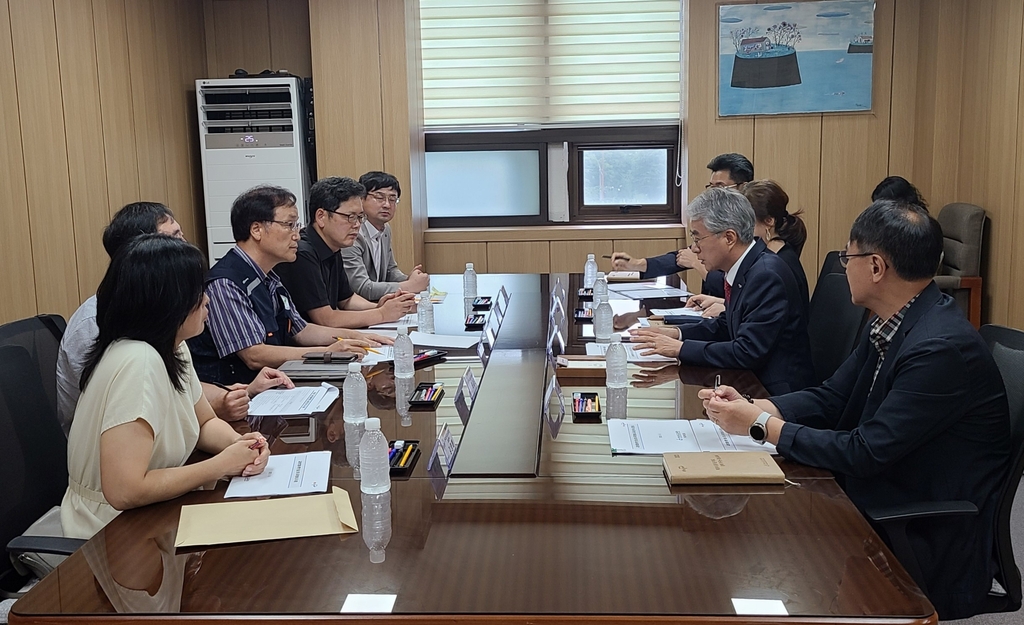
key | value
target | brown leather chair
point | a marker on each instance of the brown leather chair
(963, 226)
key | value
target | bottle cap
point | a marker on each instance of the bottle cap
(354, 367)
(616, 338)
(372, 423)
(403, 330)
(600, 275)
(376, 556)
(469, 266)
(590, 257)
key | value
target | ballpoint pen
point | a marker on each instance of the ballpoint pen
(718, 382)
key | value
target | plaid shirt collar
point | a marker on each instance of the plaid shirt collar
(882, 332)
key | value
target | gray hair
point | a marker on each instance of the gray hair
(721, 210)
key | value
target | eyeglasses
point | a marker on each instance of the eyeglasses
(384, 198)
(696, 240)
(294, 226)
(844, 257)
(722, 185)
(353, 218)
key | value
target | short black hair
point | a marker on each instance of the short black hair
(898, 188)
(739, 167)
(374, 180)
(152, 285)
(904, 233)
(330, 193)
(131, 221)
(257, 205)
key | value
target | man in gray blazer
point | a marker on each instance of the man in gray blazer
(369, 263)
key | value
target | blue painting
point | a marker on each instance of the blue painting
(801, 57)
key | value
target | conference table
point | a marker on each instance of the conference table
(533, 520)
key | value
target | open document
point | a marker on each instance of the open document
(451, 341)
(409, 319)
(293, 401)
(658, 436)
(286, 474)
(632, 354)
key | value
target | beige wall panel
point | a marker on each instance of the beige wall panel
(18, 282)
(788, 151)
(855, 148)
(644, 248)
(83, 122)
(416, 186)
(908, 28)
(520, 257)
(571, 255)
(115, 91)
(289, 36)
(345, 48)
(241, 37)
(707, 135)
(991, 100)
(46, 163)
(452, 257)
(396, 118)
(192, 66)
(147, 100)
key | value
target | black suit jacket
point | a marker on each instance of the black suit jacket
(763, 328)
(935, 426)
(665, 265)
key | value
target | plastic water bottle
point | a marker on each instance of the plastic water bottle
(377, 523)
(469, 281)
(603, 322)
(589, 272)
(600, 288)
(404, 388)
(353, 434)
(615, 364)
(354, 390)
(615, 402)
(373, 459)
(403, 354)
(425, 313)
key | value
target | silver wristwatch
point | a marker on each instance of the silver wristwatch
(759, 428)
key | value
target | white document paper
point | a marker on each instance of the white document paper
(286, 474)
(667, 292)
(625, 287)
(685, 312)
(622, 275)
(293, 401)
(387, 354)
(408, 320)
(632, 354)
(453, 341)
(658, 436)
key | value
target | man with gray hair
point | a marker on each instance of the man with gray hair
(764, 327)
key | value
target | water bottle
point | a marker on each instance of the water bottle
(373, 459)
(469, 281)
(377, 523)
(589, 272)
(615, 402)
(353, 434)
(615, 364)
(354, 390)
(404, 388)
(403, 354)
(600, 289)
(425, 313)
(603, 322)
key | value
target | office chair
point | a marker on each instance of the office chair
(834, 322)
(963, 227)
(1007, 345)
(40, 336)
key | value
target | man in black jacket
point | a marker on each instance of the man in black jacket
(917, 414)
(764, 326)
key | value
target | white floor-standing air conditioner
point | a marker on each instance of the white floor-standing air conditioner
(250, 133)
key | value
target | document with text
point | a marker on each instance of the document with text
(632, 353)
(300, 400)
(286, 474)
(658, 436)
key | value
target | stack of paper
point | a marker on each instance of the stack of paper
(632, 355)
(659, 436)
(385, 353)
(300, 400)
(672, 312)
(646, 290)
(408, 320)
(453, 341)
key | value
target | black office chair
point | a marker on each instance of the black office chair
(834, 322)
(1007, 345)
(40, 336)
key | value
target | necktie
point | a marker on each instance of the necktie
(728, 292)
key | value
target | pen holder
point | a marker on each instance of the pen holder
(584, 315)
(586, 408)
(403, 470)
(585, 294)
(482, 303)
(426, 396)
(475, 322)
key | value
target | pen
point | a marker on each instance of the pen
(405, 457)
(718, 382)
(372, 350)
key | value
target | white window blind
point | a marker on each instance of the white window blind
(495, 62)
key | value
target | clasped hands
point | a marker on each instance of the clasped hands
(728, 409)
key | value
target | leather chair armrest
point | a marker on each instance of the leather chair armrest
(57, 545)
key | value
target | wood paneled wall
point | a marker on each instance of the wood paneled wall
(255, 35)
(98, 107)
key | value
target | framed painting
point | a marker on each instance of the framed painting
(795, 58)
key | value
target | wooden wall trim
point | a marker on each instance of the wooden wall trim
(553, 233)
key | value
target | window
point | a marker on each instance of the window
(590, 88)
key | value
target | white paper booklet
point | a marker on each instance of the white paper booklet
(632, 354)
(658, 436)
(286, 474)
(293, 401)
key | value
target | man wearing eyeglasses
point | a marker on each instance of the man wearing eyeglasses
(764, 326)
(369, 262)
(916, 418)
(317, 279)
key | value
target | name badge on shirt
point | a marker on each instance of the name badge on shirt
(284, 302)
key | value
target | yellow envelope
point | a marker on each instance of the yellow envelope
(266, 519)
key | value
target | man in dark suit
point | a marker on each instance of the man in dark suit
(917, 414)
(764, 327)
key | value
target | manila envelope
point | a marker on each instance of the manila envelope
(266, 519)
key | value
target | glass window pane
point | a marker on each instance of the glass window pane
(620, 177)
(496, 183)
